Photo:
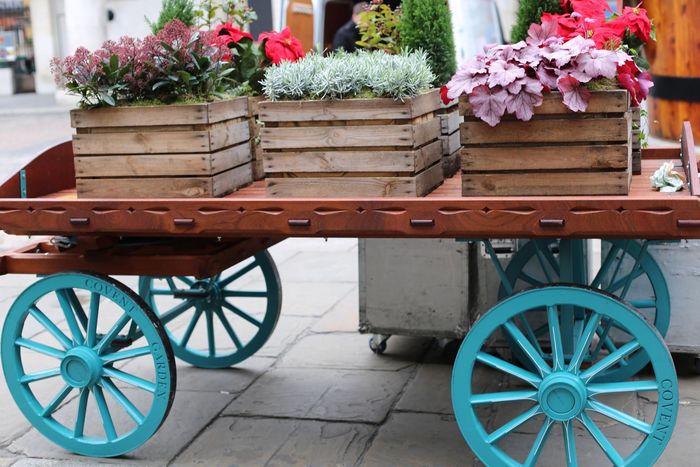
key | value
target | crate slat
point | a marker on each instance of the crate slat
(483, 159)
(545, 184)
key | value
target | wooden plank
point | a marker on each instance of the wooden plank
(350, 187)
(426, 132)
(353, 161)
(187, 114)
(449, 123)
(337, 137)
(223, 135)
(480, 159)
(450, 143)
(349, 109)
(161, 165)
(614, 101)
(450, 164)
(545, 184)
(563, 130)
(232, 180)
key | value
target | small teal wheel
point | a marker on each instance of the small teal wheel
(220, 321)
(627, 271)
(88, 364)
(563, 392)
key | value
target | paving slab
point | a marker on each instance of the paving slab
(288, 330)
(684, 448)
(343, 317)
(351, 352)
(354, 396)
(313, 299)
(320, 268)
(409, 439)
(254, 442)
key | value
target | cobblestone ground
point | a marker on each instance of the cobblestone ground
(315, 394)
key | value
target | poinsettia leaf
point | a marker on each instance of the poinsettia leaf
(489, 104)
(575, 96)
(502, 73)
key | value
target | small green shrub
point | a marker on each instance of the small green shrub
(427, 25)
(529, 12)
(174, 9)
(345, 76)
(379, 29)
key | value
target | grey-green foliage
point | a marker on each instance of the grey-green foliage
(344, 76)
(171, 10)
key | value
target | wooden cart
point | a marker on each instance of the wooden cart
(569, 339)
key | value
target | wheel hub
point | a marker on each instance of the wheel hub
(213, 296)
(81, 367)
(562, 396)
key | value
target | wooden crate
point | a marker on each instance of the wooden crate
(636, 116)
(198, 150)
(450, 120)
(558, 152)
(352, 148)
(255, 146)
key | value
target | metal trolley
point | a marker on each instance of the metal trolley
(106, 351)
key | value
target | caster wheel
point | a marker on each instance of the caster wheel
(377, 344)
(220, 321)
(97, 380)
(627, 271)
(563, 399)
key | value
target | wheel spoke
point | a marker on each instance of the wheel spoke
(190, 328)
(242, 314)
(69, 313)
(602, 441)
(513, 424)
(527, 347)
(555, 338)
(171, 283)
(238, 274)
(609, 361)
(176, 311)
(620, 417)
(509, 368)
(539, 443)
(91, 338)
(78, 308)
(531, 334)
(541, 260)
(112, 333)
(643, 304)
(627, 386)
(186, 280)
(507, 396)
(227, 326)
(40, 375)
(569, 443)
(130, 379)
(126, 354)
(44, 320)
(82, 412)
(60, 397)
(211, 338)
(41, 348)
(602, 333)
(107, 422)
(124, 401)
(551, 259)
(239, 293)
(605, 267)
(584, 342)
(625, 282)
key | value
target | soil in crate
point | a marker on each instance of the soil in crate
(352, 148)
(199, 150)
(558, 152)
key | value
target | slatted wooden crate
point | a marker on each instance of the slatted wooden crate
(450, 119)
(198, 150)
(255, 146)
(352, 148)
(558, 152)
(636, 116)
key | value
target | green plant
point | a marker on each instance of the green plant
(379, 28)
(236, 12)
(529, 12)
(345, 76)
(174, 9)
(427, 25)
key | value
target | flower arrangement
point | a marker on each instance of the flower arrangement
(573, 53)
(178, 64)
(345, 76)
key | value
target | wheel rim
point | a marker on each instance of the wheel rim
(536, 265)
(220, 321)
(112, 367)
(564, 393)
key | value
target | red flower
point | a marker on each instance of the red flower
(637, 20)
(281, 46)
(589, 8)
(637, 83)
(226, 34)
(443, 95)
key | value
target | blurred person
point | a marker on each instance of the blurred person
(349, 33)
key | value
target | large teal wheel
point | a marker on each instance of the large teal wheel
(563, 399)
(627, 271)
(88, 364)
(220, 321)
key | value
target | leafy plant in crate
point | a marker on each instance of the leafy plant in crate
(585, 59)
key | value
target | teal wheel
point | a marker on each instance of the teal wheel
(627, 271)
(88, 364)
(220, 321)
(562, 402)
